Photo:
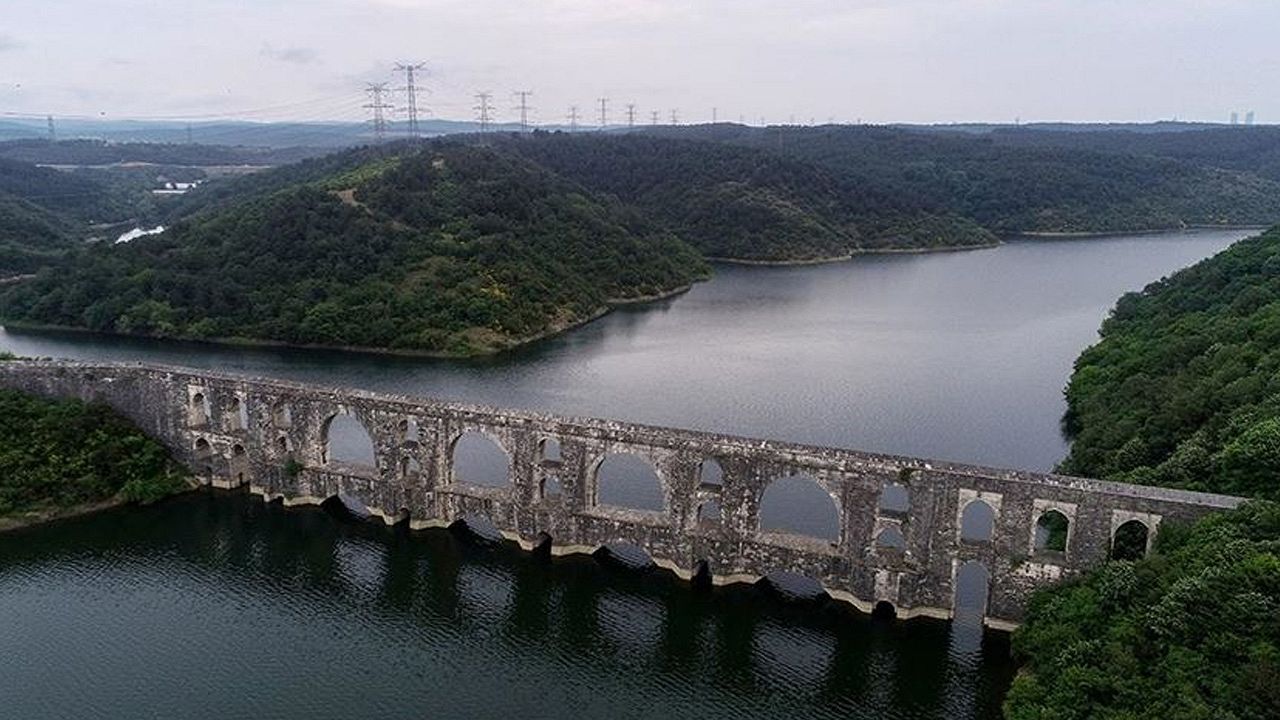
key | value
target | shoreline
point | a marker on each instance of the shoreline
(35, 518)
(1097, 234)
(557, 329)
(831, 259)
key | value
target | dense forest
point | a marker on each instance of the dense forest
(745, 204)
(100, 152)
(1191, 632)
(1182, 389)
(1013, 188)
(449, 249)
(56, 455)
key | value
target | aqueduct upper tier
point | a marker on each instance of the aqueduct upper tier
(905, 529)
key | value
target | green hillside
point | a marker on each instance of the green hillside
(450, 250)
(1183, 389)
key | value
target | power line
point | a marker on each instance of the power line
(631, 115)
(411, 90)
(482, 109)
(573, 118)
(604, 112)
(524, 108)
(376, 104)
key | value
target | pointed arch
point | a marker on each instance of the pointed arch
(1052, 531)
(1130, 541)
(345, 440)
(710, 473)
(895, 499)
(478, 459)
(627, 480)
(798, 504)
(972, 590)
(891, 538)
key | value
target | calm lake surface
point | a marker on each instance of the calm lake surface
(221, 606)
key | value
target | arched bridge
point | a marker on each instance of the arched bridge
(905, 530)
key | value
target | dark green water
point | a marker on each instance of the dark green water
(224, 607)
(218, 606)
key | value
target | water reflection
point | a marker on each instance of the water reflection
(262, 611)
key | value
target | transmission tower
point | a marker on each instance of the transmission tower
(715, 115)
(675, 116)
(523, 108)
(482, 109)
(411, 93)
(377, 105)
(573, 118)
(604, 112)
(631, 115)
(52, 135)
(653, 117)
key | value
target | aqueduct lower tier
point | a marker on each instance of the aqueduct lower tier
(900, 535)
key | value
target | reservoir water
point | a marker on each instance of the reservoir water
(220, 606)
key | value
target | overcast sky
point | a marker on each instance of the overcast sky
(878, 60)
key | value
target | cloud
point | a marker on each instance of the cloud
(296, 55)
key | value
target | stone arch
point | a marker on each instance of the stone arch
(549, 450)
(626, 554)
(410, 467)
(550, 487)
(1052, 531)
(204, 457)
(709, 513)
(800, 505)
(344, 439)
(239, 465)
(627, 480)
(282, 415)
(198, 409)
(476, 458)
(972, 589)
(977, 522)
(711, 474)
(237, 415)
(409, 431)
(895, 499)
(891, 538)
(884, 610)
(1130, 540)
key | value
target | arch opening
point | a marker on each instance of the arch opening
(629, 481)
(884, 610)
(549, 450)
(895, 499)
(700, 577)
(711, 474)
(198, 412)
(1051, 532)
(793, 586)
(346, 507)
(409, 430)
(891, 538)
(797, 504)
(972, 590)
(282, 415)
(977, 522)
(1130, 541)
(478, 459)
(550, 487)
(204, 457)
(709, 514)
(239, 464)
(238, 415)
(346, 441)
(625, 555)
(410, 467)
(478, 527)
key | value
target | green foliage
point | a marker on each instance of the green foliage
(1182, 390)
(59, 454)
(448, 249)
(1192, 632)
(1010, 187)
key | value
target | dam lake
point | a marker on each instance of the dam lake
(217, 605)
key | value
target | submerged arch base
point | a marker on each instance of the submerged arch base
(532, 545)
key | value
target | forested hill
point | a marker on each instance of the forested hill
(1024, 187)
(743, 203)
(1183, 389)
(448, 249)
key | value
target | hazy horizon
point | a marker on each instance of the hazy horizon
(911, 61)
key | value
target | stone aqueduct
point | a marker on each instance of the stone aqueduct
(272, 436)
